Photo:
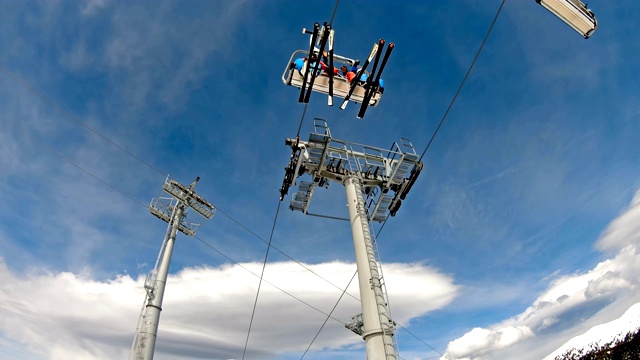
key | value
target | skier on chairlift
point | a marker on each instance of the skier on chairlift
(315, 71)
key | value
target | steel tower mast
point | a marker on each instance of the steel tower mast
(376, 181)
(174, 211)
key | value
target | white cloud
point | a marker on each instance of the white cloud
(479, 341)
(571, 303)
(205, 312)
(623, 230)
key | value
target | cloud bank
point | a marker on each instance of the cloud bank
(206, 310)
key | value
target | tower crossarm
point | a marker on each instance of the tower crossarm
(387, 174)
(189, 196)
(162, 208)
(186, 197)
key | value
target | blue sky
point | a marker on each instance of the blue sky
(527, 197)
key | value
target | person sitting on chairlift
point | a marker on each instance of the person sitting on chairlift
(349, 75)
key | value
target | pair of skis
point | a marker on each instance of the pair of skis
(372, 84)
(326, 37)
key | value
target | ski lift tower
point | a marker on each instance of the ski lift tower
(174, 211)
(376, 182)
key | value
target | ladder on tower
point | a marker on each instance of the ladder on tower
(377, 282)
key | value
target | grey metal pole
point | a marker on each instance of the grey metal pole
(379, 345)
(149, 330)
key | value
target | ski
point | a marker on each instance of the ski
(375, 63)
(331, 74)
(323, 43)
(305, 69)
(374, 85)
(354, 83)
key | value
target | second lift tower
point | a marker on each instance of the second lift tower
(173, 210)
(376, 181)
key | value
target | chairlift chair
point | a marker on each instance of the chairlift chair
(574, 13)
(292, 77)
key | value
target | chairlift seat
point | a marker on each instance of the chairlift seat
(341, 86)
